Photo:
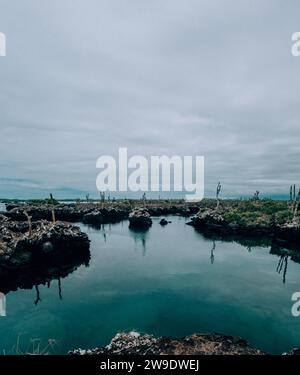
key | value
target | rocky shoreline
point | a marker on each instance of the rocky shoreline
(134, 343)
(266, 223)
(35, 252)
(221, 224)
(95, 213)
(264, 219)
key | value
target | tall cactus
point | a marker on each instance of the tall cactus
(53, 216)
(102, 197)
(296, 205)
(219, 186)
(29, 222)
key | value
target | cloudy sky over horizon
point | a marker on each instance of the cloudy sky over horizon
(201, 77)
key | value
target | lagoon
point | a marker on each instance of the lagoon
(168, 281)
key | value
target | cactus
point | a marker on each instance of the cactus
(102, 197)
(29, 222)
(256, 196)
(294, 192)
(144, 199)
(219, 186)
(53, 216)
(296, 205)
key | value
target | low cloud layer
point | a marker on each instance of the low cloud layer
(213, 78)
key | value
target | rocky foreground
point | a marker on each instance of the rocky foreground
(133, 343)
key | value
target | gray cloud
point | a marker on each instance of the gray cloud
(215, 78)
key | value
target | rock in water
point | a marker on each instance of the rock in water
(163, 222)
(140, 218)
(94, 218)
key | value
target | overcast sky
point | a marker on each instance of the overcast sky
(84, 77)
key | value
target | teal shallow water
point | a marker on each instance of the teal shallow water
(163, 282)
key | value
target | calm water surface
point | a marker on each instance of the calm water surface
(167, 281)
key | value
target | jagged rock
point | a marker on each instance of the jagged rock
(104, 216)
(3, 219)
(211, 220)
(163, 222)
(10, 206)
(67, 212)
(19, 248)
(294, 351)
(133, 343)
(112, 215)
(95, 218)
(140, 218)
(208, 218)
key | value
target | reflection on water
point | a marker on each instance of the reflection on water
(38, 298)
(170, 281)
(140, 236)
(283, 257)
(12, 280)
(254, 242)
(59, 290)
(282, 260)
(212, 255)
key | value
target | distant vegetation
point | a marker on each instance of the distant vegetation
(259, 212)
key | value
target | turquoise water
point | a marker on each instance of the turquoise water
(165, 282)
